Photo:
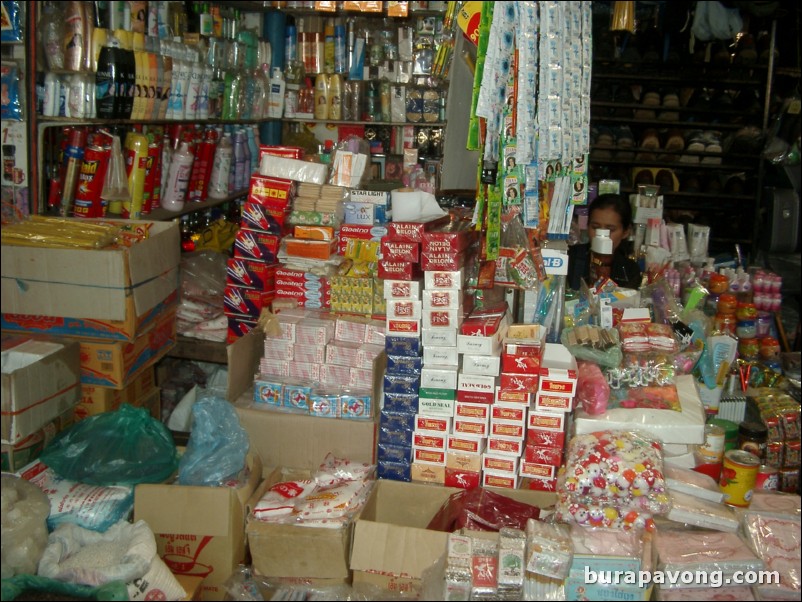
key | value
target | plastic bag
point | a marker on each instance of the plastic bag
(481, 510)
(592, 388)
(594, 344)
(28, 584)
(11, 106)
(217, 446)
(124, 447)
(351, 162)
(123, 553)
(25, 509)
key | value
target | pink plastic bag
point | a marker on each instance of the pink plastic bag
(592, 388)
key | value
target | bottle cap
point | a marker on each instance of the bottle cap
(602, 243)
(277, 73)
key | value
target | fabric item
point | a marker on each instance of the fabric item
(714, 21)
(625, 271)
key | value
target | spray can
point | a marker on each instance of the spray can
(178, 179)
(90, 181)
(152, 191)
(136, 161)
(73, 159)
(201, 168)
(221, 168)
(240, 160)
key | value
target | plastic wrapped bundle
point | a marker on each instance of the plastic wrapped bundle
(777, 542)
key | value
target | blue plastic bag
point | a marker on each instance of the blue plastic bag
(217, 445)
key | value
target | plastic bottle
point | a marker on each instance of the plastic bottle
(328, 46)
(253, 151)
(74, 33)
(321, 96)
(221, 168)
(178, 179)
(203, 94)
(50, 108)
(290, 44)
(335, 97)
(240, 158)
(601, 255)
(51, 33)
(231, 94)
(275, 107)
(340, 53)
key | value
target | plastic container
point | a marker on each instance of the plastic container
(601, 255)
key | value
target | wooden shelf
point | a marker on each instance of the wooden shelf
(161, 215)
(385, 123)
(42, 120)
(673, 165)
(659, 123)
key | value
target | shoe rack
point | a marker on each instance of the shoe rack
(693, 125)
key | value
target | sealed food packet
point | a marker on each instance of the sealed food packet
(549, 550)
(481, 510)
(281, 499)
(777, 542)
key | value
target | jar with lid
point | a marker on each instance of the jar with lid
(725, 323)
(727, 304)
(752, 437)
(718, 284)
(746, 314)
(748, 349)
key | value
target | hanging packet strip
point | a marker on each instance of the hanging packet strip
(474, 126)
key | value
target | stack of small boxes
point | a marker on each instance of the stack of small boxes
(315, 357)
(251, 273)
(548, 421)
(401, 380)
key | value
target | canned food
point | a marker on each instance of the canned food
(767, 478)
(738, 477)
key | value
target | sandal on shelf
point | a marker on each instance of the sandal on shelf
(666, 180)
(643, 177)
(624, 140)
(674, 142)
(712, 147)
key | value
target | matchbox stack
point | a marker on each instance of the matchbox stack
(251, 273)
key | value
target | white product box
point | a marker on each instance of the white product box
(484, 365)
(445, 356)
(441, 280)
(402, 289)
(403, 309)
(439, 377)
(440, 337)
(442, 299)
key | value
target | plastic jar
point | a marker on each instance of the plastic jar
(727, 304)
(748, 349)
(726, 323)
(718, 284)
(752, 437)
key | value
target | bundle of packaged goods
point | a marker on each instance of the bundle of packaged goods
(321, 365)
(115, 295)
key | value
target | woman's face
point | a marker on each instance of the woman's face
(608, 218)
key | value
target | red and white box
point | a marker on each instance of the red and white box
(441, 318)
(443, 356)
(413, 231)
(263, 218)
(470, 428)
(483, 365)
(423, 455)
(507, 446)
(402, 289)
(537, 470)
(315, 331)
(460, 444)
(252, 244)
(332, 374)
(438, 261)
(537, 484)
(509, 412)
(403, 328)
(499, 479)
(444, 279)
(281, 349)
(429, 440)
(438, 377)
(454, 237)
(481, 345)
(519, 382)
(349, 330)
(440, 337)
(268, 189)
(358, 232)
(512, 430)
(545, 438)
(462, 479)
(476, 388)
(483, 325)
(539, 454)
(438, 425)
(547, 421)
(558, 371)
(403, 309)
(398, 270)
(307, 353)
(513, 397)
(553, 403)
(520, 364)
(442, 298)
(393, 250)
(480, 412)
(496, 463)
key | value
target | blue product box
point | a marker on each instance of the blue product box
(397, 421)
(356, 406)
(267, 392)
(395, 345)
(394, 453)
(404, 364)
(394, 471)
(296, 397)
(401, 383)
(406, 403)
(324, 405)
(397, 437)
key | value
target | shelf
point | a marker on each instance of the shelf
(42, 120)
(701, 154)
(386, 123)
(160, 215)
(637, 163)
(681, 194)
(683, 79)
(642, 107)
(199, 350)
(696, 125)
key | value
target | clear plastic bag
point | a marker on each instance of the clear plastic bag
(25, 510)
(593, 344)
(124, 447)
(217, 445)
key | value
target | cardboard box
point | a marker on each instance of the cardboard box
(40, 381)
(558, 372)
(15, 457)
(115, 363)
(392, 546)
(104, 293)
(96, 399)
(200, 531)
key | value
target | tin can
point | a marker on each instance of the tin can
(713, 449)
(738, 477)
(767, 478)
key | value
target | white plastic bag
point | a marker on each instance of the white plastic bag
(123, 553)
(24, 511)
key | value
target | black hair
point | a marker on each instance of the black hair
(617, 203)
